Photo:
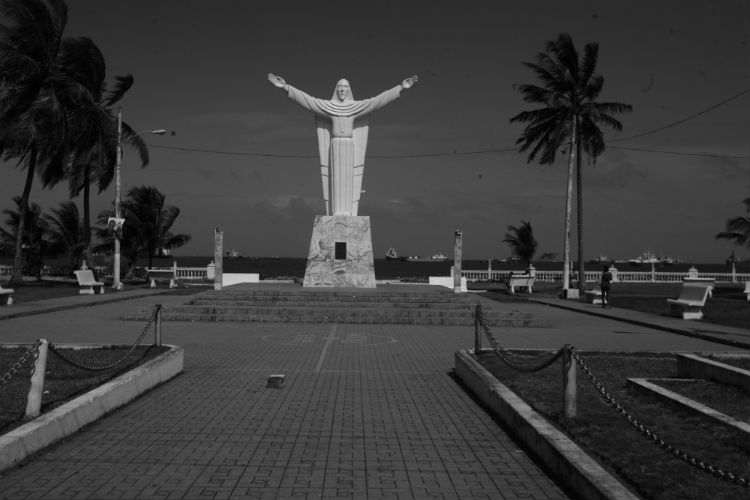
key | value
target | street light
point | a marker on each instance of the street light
(117, 219)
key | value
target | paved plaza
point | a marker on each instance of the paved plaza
(367, 411)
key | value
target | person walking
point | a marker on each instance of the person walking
(605, 285)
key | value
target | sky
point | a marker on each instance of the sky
(240, 156)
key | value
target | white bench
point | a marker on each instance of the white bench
(520, 280)
(87, 282)
(690, 303)
(162, 274)
(593, 296)
(9, 293)
(708, 282)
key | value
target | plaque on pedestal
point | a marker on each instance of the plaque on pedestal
(340, 253)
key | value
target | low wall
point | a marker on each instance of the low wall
(68, 418)
(235, 278)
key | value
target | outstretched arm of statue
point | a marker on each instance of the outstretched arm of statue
(277, 81)
(408, 82)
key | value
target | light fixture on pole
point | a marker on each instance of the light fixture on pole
(118, 220)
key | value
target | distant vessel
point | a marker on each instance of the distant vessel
(647, 258)
(391, 254)
(438, 257)
(601, 259)
(232, 254)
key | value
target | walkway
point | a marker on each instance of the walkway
(368, 411)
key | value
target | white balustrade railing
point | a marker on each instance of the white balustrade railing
(621, 276)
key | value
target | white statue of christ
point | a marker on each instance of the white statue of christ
(342, 125)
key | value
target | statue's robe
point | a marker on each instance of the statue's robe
(342, 142)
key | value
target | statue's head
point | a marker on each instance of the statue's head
(343, 92)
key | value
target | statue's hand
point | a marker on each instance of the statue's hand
(276, 80)
(408, 82)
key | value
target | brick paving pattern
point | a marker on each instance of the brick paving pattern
(367, 411)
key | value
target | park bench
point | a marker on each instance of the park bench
(593, 296)
(520, 280)
(87, 282)
(708, 282)
(7, 292)
(162, 274)
(690, 303)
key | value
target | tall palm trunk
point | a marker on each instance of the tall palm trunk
(16, 278)
(579, 210)
(87, 218)
(568, 203)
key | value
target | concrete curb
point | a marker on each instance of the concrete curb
(68, 418)
(568, 462)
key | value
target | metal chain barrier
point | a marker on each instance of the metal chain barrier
(504, 355)
(108, 366)
(682, 455)
(32, 349)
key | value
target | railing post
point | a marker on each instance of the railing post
(568, 386)
(157, 326)
(477, 330)
(34, 401)
(218, 255)
(457, 251)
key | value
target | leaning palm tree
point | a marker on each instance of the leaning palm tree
(41, 93)
(147, 226)
(738, 228)
(522, 242)
(66, 233)
(95, 155)
(569, 117)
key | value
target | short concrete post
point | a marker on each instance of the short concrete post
(211, 271)
(34, 401)
(653, 273)
(692, 272)
(157, 325)
(173, 281)
(477, 330)
(568, 386)
(457, 250)
(218, 256)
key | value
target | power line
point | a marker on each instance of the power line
(495, 150)
(683, 120)
(708, 155)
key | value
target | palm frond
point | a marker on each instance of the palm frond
(121, 86)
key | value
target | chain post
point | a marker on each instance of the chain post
(477, 331)
(34, 401)
(569, 395)
(157, 325)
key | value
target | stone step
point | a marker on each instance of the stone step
(339, 315)
(381, 304)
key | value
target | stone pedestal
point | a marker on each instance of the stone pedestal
(340, 253)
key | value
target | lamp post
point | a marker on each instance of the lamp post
(117, 219)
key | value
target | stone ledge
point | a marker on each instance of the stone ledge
(647, 386)
(66, 419)
(567, 461)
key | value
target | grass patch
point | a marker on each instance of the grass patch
(652, 472)
(63, 381)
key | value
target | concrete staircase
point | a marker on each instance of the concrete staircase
(388, 304)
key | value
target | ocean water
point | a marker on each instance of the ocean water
(273, 267)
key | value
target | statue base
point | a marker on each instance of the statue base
(340, 253)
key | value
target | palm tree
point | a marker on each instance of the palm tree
(522, 242)
(569, 117)
(66, 233)
(35, 243)
(95, 156)
(41, 95)
(146, 229)
(738, 228)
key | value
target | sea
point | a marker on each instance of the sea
(294, 267)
